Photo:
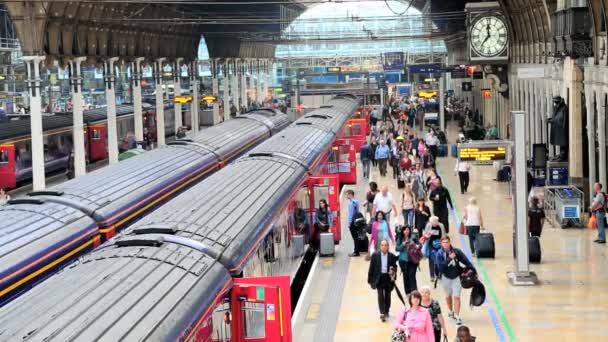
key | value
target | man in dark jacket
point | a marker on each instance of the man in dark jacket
(440, 198)
(382, 264)
(366, 154)
(449, 261)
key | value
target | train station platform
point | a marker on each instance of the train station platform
(570, 303)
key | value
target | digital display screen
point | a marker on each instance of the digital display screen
(482, 154)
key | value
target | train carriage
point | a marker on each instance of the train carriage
(191, 270)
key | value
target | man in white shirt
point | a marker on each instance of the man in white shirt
(432, 142)
(463, 168)
(384, 202)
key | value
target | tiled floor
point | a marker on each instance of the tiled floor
(570, 304)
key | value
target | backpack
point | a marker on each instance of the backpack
(414, 254)
(359, 220)
(478, 294)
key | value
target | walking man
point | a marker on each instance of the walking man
(463, 168)
(598, 208)
(384, 202)
(378, 277)
(383, 153)
(449, 260)
(366, 154)
(440, 198)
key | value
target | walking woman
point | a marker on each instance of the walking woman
(374, 145)
(416, 321)
(370, 196)
(407, 205)
(473, 221)
(434, 308)
(536, 218)
(422, 213)
(380, 231)
(408, 267)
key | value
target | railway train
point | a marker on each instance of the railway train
(212, 265)
(42, 233)
(15, 139)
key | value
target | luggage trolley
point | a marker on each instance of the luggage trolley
(563, 205)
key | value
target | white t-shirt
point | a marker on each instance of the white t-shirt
(472, 216)
(383, 203)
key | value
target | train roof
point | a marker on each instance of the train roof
(165, 280)
(22, 127)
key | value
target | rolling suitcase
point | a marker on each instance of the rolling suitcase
(326, 247)
(362, 242)
(484, 245)
(534, 249)
(454, 151)
(297, 246)
(442, 150)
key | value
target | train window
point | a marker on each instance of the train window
(96, 134)
(3, 157)
(220, 323)
(321, 193)
(356, 129)
(254, 320)
(344, 153)
(348, 131)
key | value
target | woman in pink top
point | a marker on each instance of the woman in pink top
(415, 321)
(421, 148)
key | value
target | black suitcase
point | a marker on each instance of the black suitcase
(484, 245)
(362, 243)
(400, 183)
(534, 249)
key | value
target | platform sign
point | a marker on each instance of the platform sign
(335, 69)
(182, 99)
(425, 68)
(483, 153)
(393, 61)
(458, 73)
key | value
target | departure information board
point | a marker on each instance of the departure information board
(482, 153)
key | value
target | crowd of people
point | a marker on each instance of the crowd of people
(397, 147)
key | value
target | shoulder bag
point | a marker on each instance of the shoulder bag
(400, 336)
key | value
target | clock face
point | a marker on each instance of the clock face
(489, 36)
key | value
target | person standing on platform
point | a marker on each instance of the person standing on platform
(353, 208)
(536, 217)
(473, 221)
(598, 208)
(322, 222)
(384, 202)
(448, 261)
(435, 310)
(462, 168)
(4, 197)
(415, 321)
(440, 198)
(366, 154)
(383, 154)
(379, 278)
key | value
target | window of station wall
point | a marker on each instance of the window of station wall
(353, 23)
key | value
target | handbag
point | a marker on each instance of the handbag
(425, 249)
(592, 224)
(400, 336)
(463, 229)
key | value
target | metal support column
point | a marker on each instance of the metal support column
(235, 84)
(521, 276)
(33, 87)
(137, 100)
(266, 78)
(160, 104)
(110, 81)
(80, 164)
(244, 86)
(194, 105)
(602, 108)
(216, 90)
(177, 91)
(441, 103)
(259, 96)
(226, 82)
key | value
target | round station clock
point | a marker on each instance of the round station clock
(489, 36)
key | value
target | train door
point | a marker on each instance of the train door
(326, 187)
(261, 309)
(8, 169)
(97, 142)
(346, 161)
(357, 130)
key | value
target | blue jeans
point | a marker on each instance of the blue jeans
(600, 216)
(365, 163)
(408, 217)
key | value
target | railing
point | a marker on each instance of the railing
(9, 44)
